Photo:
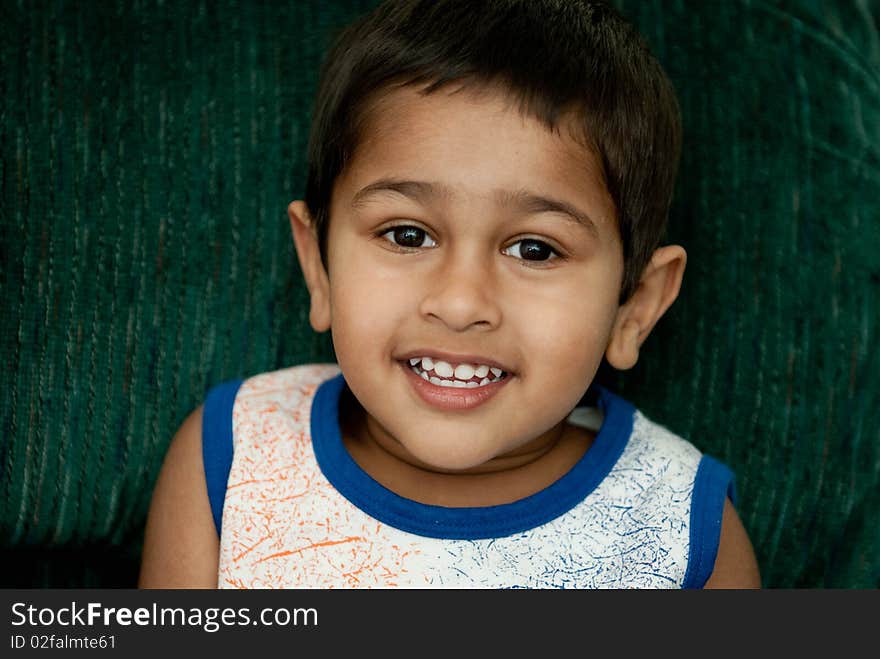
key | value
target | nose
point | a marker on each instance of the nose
(462, 293)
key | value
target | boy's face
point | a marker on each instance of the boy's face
(474, 261)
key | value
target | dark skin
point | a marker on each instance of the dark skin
(476, 145)
(516, 475)
(503, 479)
(181, 547)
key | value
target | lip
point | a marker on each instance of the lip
(452, 358)
(451, 398)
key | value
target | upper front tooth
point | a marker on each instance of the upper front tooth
(427, 363)
(442, 369)
(464, 372)
(481, 371)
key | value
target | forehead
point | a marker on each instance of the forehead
(474, 144)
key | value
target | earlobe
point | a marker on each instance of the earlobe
(308, 252)
(658, 288)
(623, 348)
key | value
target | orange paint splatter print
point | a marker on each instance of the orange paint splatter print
(624, 521)
(284, 525)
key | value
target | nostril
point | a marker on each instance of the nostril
(461, 305)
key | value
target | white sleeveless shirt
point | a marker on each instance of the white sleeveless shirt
(641, 509)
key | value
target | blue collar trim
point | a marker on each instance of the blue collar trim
(465, 523)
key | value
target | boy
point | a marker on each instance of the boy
(488, 185)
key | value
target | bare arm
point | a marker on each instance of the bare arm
(181, 547)
(735, 565)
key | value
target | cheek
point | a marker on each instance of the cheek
(569, 343)
(366, 305)
(356, 316)
(568, 332)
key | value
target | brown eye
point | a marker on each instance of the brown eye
(409, 236)
(530, 249)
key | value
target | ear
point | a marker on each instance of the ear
(657, 290)
(307, 249)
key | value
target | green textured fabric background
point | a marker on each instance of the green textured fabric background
(149, 150)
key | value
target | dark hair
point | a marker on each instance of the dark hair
(551, 56)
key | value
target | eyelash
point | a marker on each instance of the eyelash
(553, 256)
(385, 233)
(391, 230)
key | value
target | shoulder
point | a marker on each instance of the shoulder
(735, 563)
(293, 379)
(180, 541)
(720, 554)
(640, 437)
(239, 413)
(657, 456)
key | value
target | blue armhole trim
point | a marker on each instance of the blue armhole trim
(217, 443)
(713, 484)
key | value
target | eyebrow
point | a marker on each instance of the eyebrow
(523, 200)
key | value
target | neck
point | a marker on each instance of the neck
(519, 458)
(503, 479)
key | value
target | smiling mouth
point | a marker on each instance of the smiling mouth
(463, 376)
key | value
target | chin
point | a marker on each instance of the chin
(446, 460)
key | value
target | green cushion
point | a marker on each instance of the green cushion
(147, 160)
